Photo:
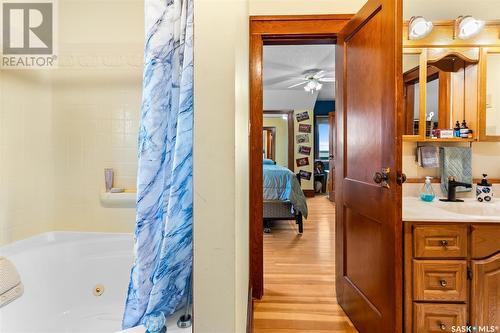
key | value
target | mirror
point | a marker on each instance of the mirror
(269, 143)
(277, 137)
(450, 93)
(411, 93)
(493, 94)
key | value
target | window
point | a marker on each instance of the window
(322, 138)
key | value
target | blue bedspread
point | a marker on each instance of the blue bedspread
(281, 184)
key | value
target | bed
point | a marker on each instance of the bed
(283, 196)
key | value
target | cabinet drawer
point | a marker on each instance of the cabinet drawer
(485, 240)
(434, 318)
(440, 280)
(442, 241)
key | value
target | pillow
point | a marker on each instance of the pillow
(268, 162)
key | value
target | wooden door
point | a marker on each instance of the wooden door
(331, 158)
(485, 292)
(369, 134)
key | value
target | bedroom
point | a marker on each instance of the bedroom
(298, 207)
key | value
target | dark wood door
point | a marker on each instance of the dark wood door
(331, 158)
(368, 216)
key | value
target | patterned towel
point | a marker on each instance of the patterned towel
(11, 286)
(456, 162)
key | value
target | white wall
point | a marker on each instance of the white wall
(26, 155)
(301, 7)
(221, 165)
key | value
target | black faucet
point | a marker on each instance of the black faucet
(452, 190)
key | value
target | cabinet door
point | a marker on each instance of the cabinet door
(485, 293)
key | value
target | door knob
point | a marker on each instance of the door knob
(382, 178)
(443, 283)
(401, 179)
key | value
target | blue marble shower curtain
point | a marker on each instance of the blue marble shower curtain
(163, 235)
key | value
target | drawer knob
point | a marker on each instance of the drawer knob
(444, 243)
(442, 326)
(443, 283)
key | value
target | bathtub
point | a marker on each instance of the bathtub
(60, 272)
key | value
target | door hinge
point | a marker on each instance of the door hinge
(469, 273)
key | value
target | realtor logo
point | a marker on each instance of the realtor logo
(28, 34)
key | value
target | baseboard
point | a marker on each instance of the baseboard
(250, 311)
(309, 193)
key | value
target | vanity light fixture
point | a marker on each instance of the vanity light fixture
(467, 27)
(419, 28)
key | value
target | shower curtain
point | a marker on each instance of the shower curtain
(163, 235)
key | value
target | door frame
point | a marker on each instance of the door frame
(272, 30)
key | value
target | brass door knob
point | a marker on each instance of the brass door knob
(443, 283)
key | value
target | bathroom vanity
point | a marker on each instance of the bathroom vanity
(451, 265)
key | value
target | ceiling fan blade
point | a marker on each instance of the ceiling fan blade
(298, 84)
(327, 79)
(318, 74)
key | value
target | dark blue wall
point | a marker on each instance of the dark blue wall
(322, 108)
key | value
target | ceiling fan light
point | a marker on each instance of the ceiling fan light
(319, 86)
(467, 27)
(307, 88)
(419, 28)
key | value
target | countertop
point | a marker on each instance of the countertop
(416, 210)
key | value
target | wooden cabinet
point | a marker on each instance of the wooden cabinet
(452, 276)
(485, 291)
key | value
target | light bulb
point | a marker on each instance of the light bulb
(419, 28)
(468, 27)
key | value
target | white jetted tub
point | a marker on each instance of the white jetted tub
(73, 283)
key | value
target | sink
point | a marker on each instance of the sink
(471, 208)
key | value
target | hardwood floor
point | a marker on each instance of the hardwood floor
(299, 291)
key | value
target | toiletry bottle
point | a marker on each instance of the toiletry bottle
(427, 194)
(464, 130)
(457, 130)
(484, 190)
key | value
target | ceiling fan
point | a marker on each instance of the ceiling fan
(313, 81)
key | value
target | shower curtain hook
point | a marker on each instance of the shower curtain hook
(186, 319)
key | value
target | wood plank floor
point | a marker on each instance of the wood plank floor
(299, 291)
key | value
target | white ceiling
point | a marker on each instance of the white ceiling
(450, 9)
(286, 65)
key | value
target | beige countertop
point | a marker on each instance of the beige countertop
(416, 210)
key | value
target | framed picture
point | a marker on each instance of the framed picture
(302, 161)
(302, 116)
(304, 150)
(304, 128)
(302, 138)
(305, 174)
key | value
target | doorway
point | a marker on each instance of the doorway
(368, 155)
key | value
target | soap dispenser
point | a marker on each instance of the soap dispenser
(427, 193)
(484, 190)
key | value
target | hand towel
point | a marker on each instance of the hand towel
(11, 286)
(428, 157)
(456, 162)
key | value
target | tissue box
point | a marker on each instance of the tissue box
(446, 134)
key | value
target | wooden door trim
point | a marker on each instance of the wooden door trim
(264, 29)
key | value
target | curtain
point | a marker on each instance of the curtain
(162, 267)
